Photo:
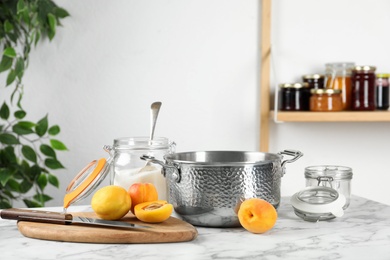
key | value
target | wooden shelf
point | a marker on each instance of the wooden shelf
(344, 116)
(266, 114)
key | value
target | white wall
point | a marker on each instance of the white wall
(112, 59)
(306, 35)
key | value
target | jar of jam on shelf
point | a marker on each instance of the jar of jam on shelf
(382, 91)
(326, 100)
(316, 81)
(294, 97)
(363, 80)
(338, 76)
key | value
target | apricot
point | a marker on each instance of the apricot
(142, 192)
(257, 215)
(153, 211)
(111, 202)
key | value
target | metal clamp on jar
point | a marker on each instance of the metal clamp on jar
(336, 177)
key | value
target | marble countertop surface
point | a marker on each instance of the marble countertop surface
(362, 233)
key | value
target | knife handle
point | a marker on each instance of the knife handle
(36, 216)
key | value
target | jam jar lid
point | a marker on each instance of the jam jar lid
(313, 76)
(334, 171)
(364, 68)
(318, 203)
(340, 64)
(328, 91)
(383, 75)
(294, 85)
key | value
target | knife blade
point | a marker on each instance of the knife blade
(63, 218)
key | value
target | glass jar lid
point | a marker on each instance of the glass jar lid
(313, 76)
(334, 171)
(318, 203)
(383, 75)
(364, 68)
(86, 181)
(141, 143)
(294, 85)
(327, 91)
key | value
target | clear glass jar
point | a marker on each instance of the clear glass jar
(333, 176)
(338, 76)
(294, 96)
(382, 91)
(324, 100)
(126, 163)
(315, 81)
(363, 88)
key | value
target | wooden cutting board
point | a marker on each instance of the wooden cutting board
(171, 230)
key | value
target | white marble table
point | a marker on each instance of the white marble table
(362, 233)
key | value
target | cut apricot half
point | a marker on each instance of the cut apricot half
(153, 211)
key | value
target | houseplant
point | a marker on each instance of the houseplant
(27, 149)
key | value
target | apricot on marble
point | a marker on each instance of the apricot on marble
(257, 215)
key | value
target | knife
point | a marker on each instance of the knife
(60, 218)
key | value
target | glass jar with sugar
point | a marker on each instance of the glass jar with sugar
(127, 168)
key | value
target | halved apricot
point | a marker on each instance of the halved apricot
(153, 211)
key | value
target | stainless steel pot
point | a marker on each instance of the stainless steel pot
(207, 188)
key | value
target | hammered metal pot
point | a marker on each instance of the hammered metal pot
(207, 188)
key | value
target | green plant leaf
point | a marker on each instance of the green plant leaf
(4, 111)
(19, 68)
(9, 154)
(53, 180)
(25, 186)
(5, 175)
(20, 7)
(20, 114)
(52, 25)
(5, 63)
(13, 185)
(42, 126)
(29, 153)
(8, 27)
(53, 164)
(42, 197)
(11, 77)
(32, 204)
(5, 204)
(47, 150)
(25, 170)
(42, 181)
(23, 128)
(58, 145)
(8, 139)
(54, 130)
(37, 37)
(35, 171)
(9, 52)
(61, 12)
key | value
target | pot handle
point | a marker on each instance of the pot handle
(176, 169)
(295, 153)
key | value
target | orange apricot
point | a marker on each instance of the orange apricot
(257, 215)
(153, 211)
(142, 192)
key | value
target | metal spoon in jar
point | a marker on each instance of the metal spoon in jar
(154, 110)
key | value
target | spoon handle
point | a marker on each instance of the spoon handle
(155, 109)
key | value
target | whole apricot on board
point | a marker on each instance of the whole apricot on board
(257, 215)
(142, 192)
(153, 211)
(111, 202)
